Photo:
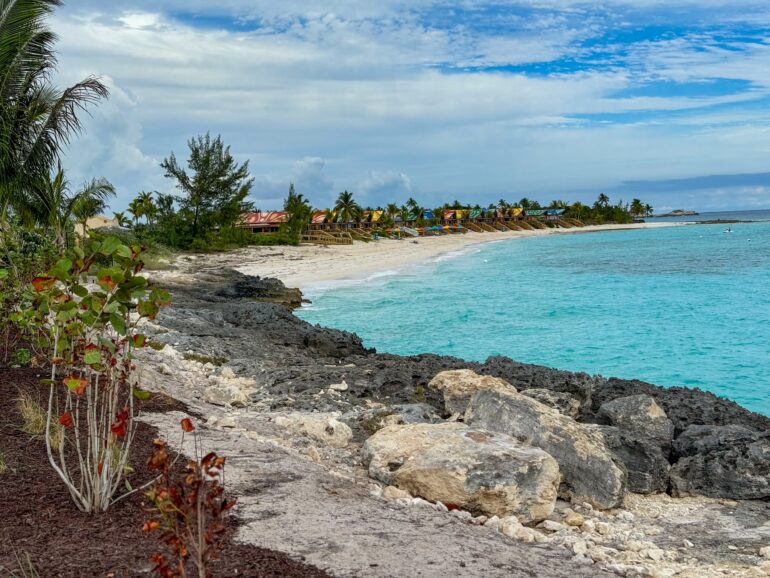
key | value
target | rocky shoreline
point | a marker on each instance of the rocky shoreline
(615, 474)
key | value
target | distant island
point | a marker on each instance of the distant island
(680, 213)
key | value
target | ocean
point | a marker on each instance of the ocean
(685, 305)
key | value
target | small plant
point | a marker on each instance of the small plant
(24, 567)
(212, 359)
(189, 513)
(21, 358)
(4, 467)
(90, 335)
(156, 345)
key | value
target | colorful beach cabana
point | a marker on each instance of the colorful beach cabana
(263, 222)
(534, 213)
(554, 214)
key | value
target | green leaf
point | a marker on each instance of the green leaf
(141, 394)
(118, 323)
(92, 357)
(123, 251)
(139, 340)
(109, 246)
(148, 309)
(62, 269)
(79, 252)
(3, 273)
(79, 290)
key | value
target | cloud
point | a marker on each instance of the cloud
(473, 100)
(380, 185)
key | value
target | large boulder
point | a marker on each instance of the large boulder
(640, 417)
(564, 403)
(459, 385)
(722, 462)
(479, 471)
(648, 469)
(590, 472)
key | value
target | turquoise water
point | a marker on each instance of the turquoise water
(676, 306)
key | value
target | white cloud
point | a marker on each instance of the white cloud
(373, 84)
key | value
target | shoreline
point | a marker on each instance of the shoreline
(308, 266)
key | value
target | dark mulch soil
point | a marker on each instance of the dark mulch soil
(37, 516)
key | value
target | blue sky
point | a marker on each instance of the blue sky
(475, 100)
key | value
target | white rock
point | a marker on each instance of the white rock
(551, 526)
(493, 522)
(459, 385)
(580, 547)
(394, 493)
(227, 373)
(765, 552)
(687, 544)
(603, 528)
(228, 422)
(421, 503)
(588, 525)
(323, 427)
(343, 386)
(462, 514)
(441, 507)
(226, 395)
(164, 369)
(626, 516)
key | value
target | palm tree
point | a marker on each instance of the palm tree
(346, 208)
(149, 210)
(647, 210)
(136, 210)
(603, 200)
(91, 201)
(121, 219)
(637, 208)
(37, 119)
(53, 206)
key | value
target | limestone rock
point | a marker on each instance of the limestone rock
(562, 402)
(648, 469)
(324, 427)
(765, 552)
(722, 462)
(227, 373)
(479, 471)
(394, 493)
(572, 518)
(342, 386)
(226, 394)
(641, 417)
(588, 468)
(459, 385)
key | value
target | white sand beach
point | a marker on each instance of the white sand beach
(307, 266)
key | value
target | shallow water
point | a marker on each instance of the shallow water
(675, 306)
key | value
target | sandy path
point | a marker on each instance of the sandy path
(309, 265)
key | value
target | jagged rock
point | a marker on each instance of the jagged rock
(648, 469)
(459, 385)
(562, 402)
(589, 470)
(640, 417)
(479, 471)
(226, 394)
(375, 419)
(722, 462)
(324, 427)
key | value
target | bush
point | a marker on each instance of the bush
(90, 336)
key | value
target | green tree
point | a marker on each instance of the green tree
(136, 210)
(602, 201)
(92, 201)
(299, 214)
(37, 119)
(149, 210)
(346, 208)
(214, 190)
(53, 205)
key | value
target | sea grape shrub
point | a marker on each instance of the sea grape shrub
(87, 315)
(187, 510)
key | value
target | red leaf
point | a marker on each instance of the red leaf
(187, 425)
(150, 526)
(99, 468)
(118, 427)
(452, 507)
(40, 284)
(76, 384)
(66, 419)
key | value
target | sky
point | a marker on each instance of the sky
(666, 101)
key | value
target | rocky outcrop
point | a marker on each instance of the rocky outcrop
(589, 470)
(641, 418)
(479, 471)
(459, 385)
(647, 466)
(722, 462)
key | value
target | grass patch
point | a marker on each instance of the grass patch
(212, 359)
(4, 467)
(156, 345)
(25, 568)
(33, 419)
